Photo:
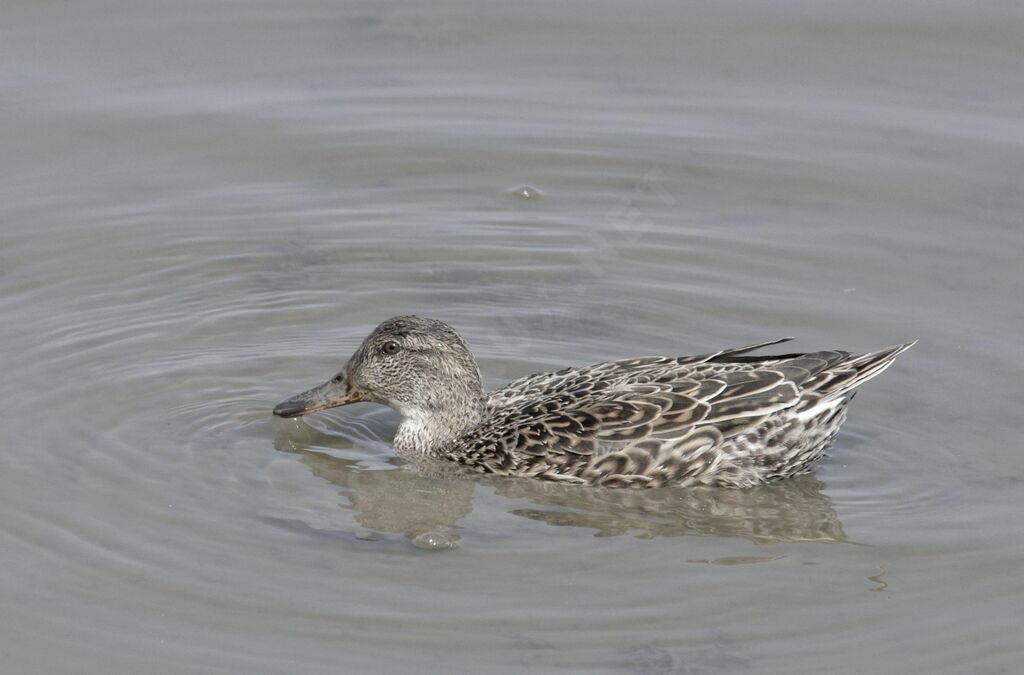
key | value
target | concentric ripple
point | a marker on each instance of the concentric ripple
(204, 209)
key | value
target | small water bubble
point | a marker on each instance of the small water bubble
(525, 192)
(434, 541)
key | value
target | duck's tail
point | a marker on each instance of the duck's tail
(844, 377)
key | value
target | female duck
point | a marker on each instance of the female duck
(726, 418)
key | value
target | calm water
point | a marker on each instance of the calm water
(205, 206)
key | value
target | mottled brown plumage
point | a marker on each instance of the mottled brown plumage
(725, 418)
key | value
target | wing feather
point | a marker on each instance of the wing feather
(653, 420)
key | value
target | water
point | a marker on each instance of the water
(205, 206)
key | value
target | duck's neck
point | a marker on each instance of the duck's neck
(430, 432)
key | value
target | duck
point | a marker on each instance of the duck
(728, 418)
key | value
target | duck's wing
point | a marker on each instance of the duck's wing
(630, 413)
(583, 411)
(538, 385)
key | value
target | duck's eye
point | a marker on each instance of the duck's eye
(390, 347)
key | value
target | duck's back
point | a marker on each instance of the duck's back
(725, 418)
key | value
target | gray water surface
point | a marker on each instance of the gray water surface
(206, 205)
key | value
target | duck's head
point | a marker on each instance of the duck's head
(420, 367)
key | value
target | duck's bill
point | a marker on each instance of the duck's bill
(327, 395)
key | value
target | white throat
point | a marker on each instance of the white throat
(427, 433)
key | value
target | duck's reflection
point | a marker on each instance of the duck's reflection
(791, 510)
(415, 499)
(398, 499)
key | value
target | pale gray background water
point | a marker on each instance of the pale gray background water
(205, 205)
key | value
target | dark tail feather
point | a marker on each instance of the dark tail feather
(743, 350)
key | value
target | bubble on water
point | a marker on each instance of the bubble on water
(525, 192)
(434, 541)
